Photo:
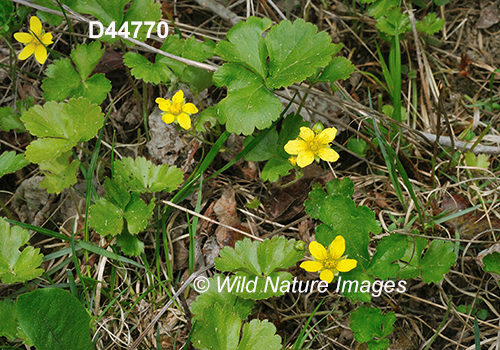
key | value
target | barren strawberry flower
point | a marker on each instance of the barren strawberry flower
(35, 41)
(330, 261)
(177, 110)
(309, 146)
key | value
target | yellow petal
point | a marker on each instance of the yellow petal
(311, 266)
(306, 134)
(47, 39)
(168, 118)
(305, 158)
(328, 154)
(326, 275)
(163, 104)
(27, 52)
(337, 248)
(346, 265)
(23, 37)
(189, 108)
(293, 160)
(318, 251)
(178, 97)
(295, 146)
(184, 121)
(41, 54)
(327, 135)
(36, 26)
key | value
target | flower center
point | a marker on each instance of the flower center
(176, 109)
(314, 146)
(329, 264)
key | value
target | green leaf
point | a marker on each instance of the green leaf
(198, 79)
(394, 19)
(259, 258)
(143, 10)
(441, 2)
(54, 319)
(59, 173)
(10, 120)
(16, 266)
(105, 11)
(86, 58)
(341, 217)
(141, 175)
(8, 326)
(272, 146)
(64, 80)
(207, 119)
(246, 45)
(275, 168)
(437, 261)
(106, 218)
(249, 104)
(354, 285)
(369, 323)
(357, 146)
(10, 162)
(260, 335)
(480, 161)
(430, 24)
(130, 245)
(412, 257)
(217, 328)
(59, 127)
(295, 51)
(339, 68)
(216, 295)
(142, 68)
(138, 213)
(344, 187)
(492, 263)
(382, 7)
(389, 249)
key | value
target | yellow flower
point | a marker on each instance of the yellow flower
(328, 262)
(309, 146)
(36, 41)
(177, 110)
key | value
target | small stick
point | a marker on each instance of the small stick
(420, 64)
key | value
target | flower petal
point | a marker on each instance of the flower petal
(326, 275)
(36, 27)
(327, 135)
(184, 121)
(317, 251)
(41, 54)
(295, 146)
(328, 154)
(311, 266)
(305, 158)
(47, 39)
(346, 265)
(306, 134)
(27, 52)
(178, 97)
(24, 38)
(163, 104)
(189, 108)
(337, 248)
(168, 118)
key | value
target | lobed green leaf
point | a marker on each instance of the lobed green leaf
(16, 266)
(11, 162)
